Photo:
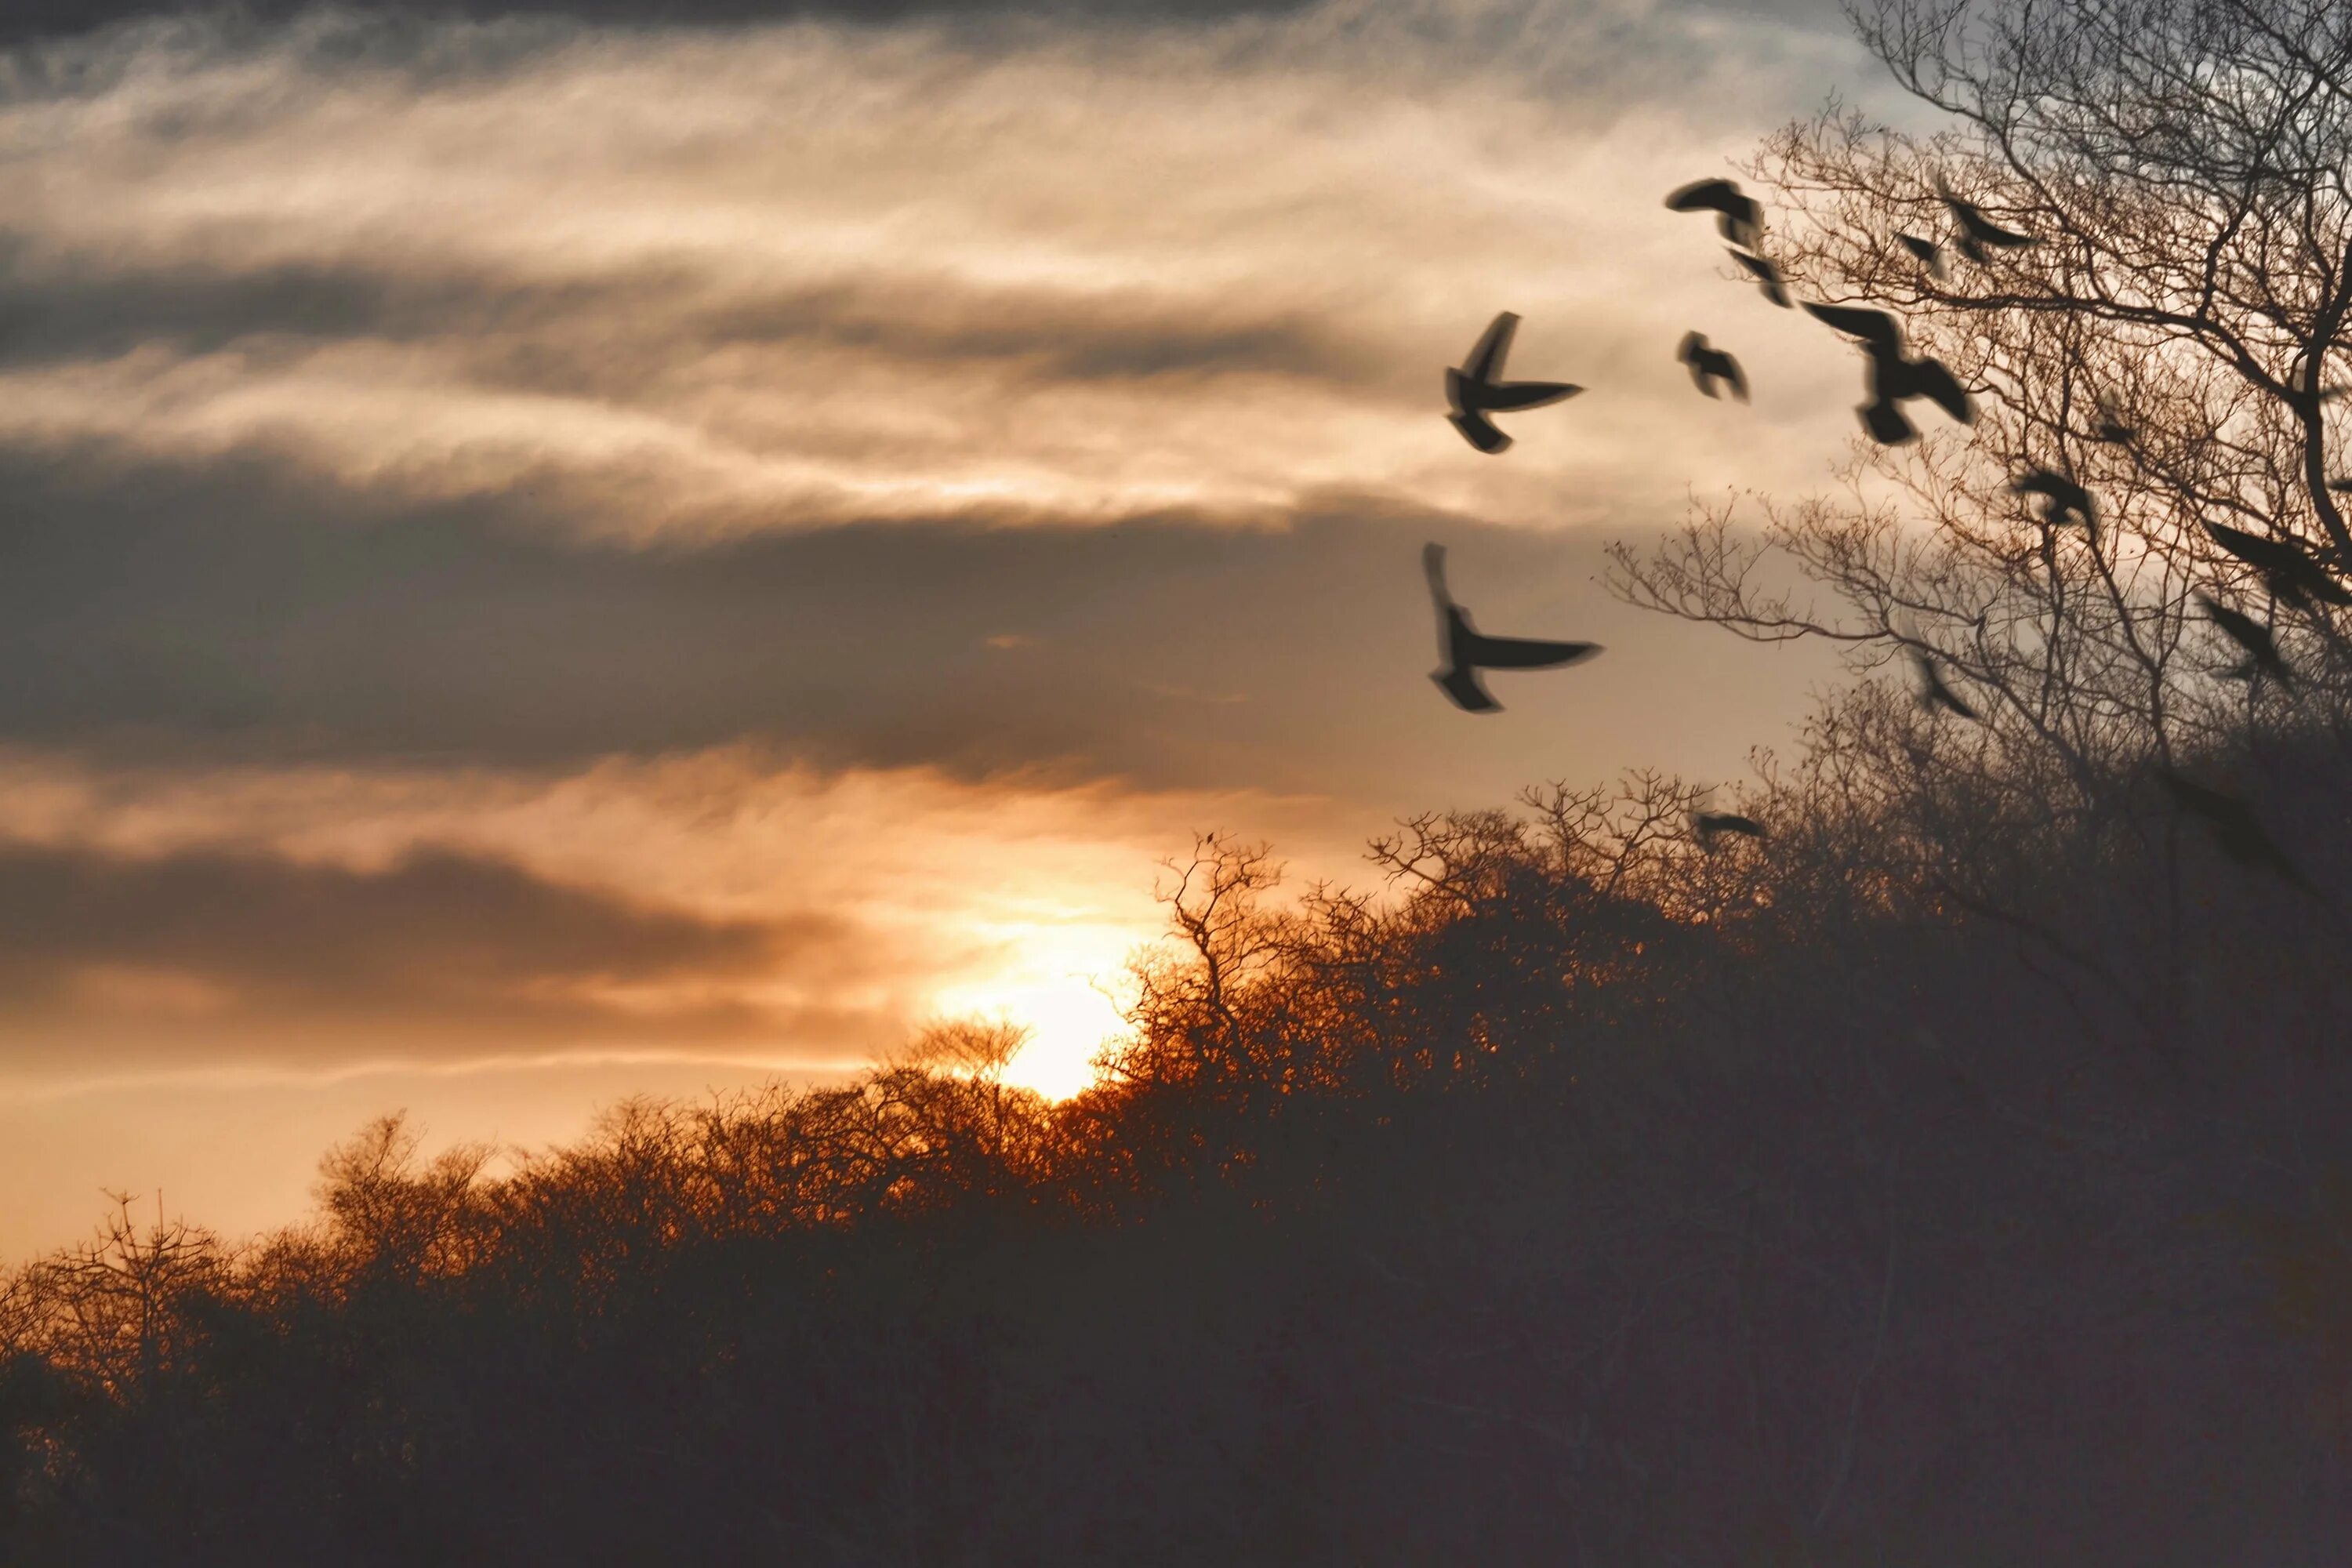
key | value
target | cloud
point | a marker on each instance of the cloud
(225, 942)
(160, 611)
(30, 19)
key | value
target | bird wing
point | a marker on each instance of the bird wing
(1462, 685)
(1480, 433)
(1508, 396)
(2242, 629)
(1886, 422)
(1734, 375)
(1705, 195)
(1453, 626)
(1870, 326)
(1522, 653)
(1767, 275)
(1930, 379)
(1980, 228)
(2254, 552)
(1486, 356)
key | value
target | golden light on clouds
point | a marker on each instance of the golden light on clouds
(551, 561)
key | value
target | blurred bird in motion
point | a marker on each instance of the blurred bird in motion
(2235, 828)
(1929, 253)
(1467, 650)
(1709, 365)
(2063, 500)
(2251, 635)
(1979, 233)
(2286, 569)
(1933, 692)
(1739, 219)
(1895, 376)
(1475, 390)
(1708, 823)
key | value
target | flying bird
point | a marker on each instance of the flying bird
(2287, 572)
(1710, 823)
(1933, 692)
(1467, 650)
(1740, 219)
(1894, 377)
(2235, 827)
(2111, 425)
(2063, 500)
(1767, 276)
(2262, 650)
(1709, 365)
(1929, 253)
(1979, 233)
(1474, 392)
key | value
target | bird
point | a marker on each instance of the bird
(1467, 650)
(2234, 826)
(1929, 253)
(1709, 365)
(1708, 824)
(1474, 392)
(2111, 425)
(1740, 219)
(1978, 232)
(1894, 376)
(1933, 692)
(2251, 635)
(2285, 570)
(2064, 501)
(1767, 275)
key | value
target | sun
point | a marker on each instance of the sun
(1069, 1021)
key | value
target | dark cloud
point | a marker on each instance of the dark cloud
(30, 19)
(238, 611)
(479, 942)
(616, 335)
(455, 923)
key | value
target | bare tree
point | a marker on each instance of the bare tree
(2171, 342)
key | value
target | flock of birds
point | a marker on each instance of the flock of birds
(1476, 391)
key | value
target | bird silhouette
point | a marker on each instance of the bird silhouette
(1979, 233)
(2262, 650)
(1709, 365)
(1933, 692)
(1467, 650)
(1929, 253)
(2235, 828)
(2063, 500)
(2285, 570)
(1767, 276)
(1708, 824)
(1894, 377)
(1740, 219)
(2111, 425)
(1474, 392)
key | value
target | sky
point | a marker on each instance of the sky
(556, 551)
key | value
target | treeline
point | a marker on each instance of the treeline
(1585, 1194)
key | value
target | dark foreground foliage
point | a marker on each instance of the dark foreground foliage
(1591, 1196)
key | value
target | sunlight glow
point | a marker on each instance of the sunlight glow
(1069, 1021)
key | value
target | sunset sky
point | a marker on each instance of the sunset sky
(566, 551)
